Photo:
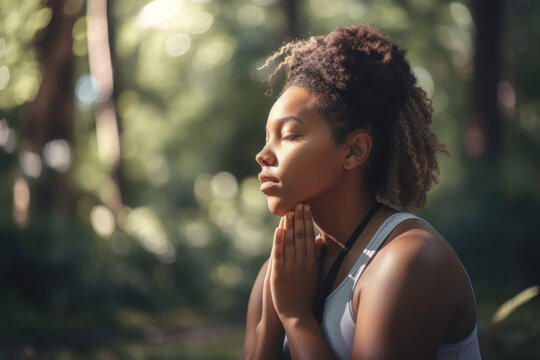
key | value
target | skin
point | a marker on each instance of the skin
(413, 296)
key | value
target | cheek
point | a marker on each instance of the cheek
(307, 171)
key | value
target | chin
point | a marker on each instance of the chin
(279, 207)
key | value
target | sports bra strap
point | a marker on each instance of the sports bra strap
(376, 241)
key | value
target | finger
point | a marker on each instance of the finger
(276, 260)
(269, 270)
(310, 236)
(299, 231)
(289, 252)
(319, 246)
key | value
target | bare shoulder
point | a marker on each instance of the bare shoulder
(416, 250)
(418, 272)
(415, 242)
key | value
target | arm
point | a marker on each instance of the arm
(264, 332)
(294, 282)
(405, 305)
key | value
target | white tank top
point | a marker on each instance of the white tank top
(339, 321)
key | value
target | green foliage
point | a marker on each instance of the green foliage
(194, 229)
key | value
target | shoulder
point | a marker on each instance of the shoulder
(414, 250)
(415, 266)
(405, 296)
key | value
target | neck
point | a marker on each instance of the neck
(338, 212)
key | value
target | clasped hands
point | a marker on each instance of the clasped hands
(292, 276)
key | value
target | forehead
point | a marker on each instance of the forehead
(295, 101)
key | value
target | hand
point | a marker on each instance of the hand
(269, 314)
(294, 274)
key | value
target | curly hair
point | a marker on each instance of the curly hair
(363, 82)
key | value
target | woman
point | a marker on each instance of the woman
(350, 127)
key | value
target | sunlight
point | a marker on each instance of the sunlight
(178, 44)
(4, 77)
(251, 15)
(159, 13)
(227, 274)
(460, 14)
(196, 233)
(57, 154)
(21, 202)
(102, 220)
(224, 185)
(425, 81)
(30, 163)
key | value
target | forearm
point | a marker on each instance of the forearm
(306, 340)
(268, 344)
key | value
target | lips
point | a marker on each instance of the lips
(267, 182)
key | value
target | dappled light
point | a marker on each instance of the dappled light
(133, 214)
(251, 15)
(224, 185)
(425, 81)
(21, 202)
(178, 44)
(196, 233)
(31, 164)
(102, 220)
(8, 137)
(86, 91)
(4, 77)
(227, 274)
(57, 154)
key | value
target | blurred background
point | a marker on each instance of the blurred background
(131, 224)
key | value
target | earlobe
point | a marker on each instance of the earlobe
(358, 150)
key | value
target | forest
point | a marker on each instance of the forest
(131, 221)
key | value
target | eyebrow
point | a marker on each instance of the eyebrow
(285, 119)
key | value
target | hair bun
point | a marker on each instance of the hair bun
(370, 71)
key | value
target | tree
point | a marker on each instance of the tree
(485, 126)
(50, 115)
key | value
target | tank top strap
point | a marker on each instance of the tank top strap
(376, 241)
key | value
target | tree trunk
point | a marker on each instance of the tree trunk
(484, 133)
(50, 115)
(107, 125)
(290, 8)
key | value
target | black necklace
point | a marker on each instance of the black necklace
(326, 285)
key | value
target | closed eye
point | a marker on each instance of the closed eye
(290, 138)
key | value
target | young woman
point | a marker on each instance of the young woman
(350, 127)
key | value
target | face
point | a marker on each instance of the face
(300, 160)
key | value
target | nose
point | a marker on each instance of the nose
(265, 157)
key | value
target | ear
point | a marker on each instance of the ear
(358, 149)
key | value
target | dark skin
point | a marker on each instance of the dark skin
(413, 296)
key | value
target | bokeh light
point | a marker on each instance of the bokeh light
(30, 163)
(4, 77)
(102, 220)
(178, 44)
(57, 154)
(86, 90)
(196, 233)
(8, 137)
(224, 185)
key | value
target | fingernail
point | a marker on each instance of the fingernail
(299, 207)
(306, 208)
